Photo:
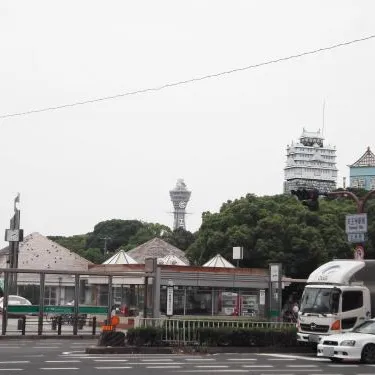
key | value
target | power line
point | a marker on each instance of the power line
(191, 80)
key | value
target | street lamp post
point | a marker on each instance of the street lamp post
(360, 203)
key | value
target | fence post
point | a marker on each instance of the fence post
(183, 330)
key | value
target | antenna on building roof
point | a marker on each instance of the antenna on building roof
(323, 119)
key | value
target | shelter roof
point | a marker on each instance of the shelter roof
(121, 257)
(38, 252)
(218, 261)
(156, 248)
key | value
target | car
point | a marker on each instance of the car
(355, 345)
(15, 300)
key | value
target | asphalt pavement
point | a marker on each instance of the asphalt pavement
(50, 356)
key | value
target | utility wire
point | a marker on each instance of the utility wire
(191, 80)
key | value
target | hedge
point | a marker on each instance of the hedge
(286, 337)
(247, 337)
(142, 336)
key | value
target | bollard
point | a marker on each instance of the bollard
(94, 325)
(81, 322)
(59, 323)
(54, 323)
(23, 332)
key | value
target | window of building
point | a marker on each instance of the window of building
(50, 295)
(361, 183)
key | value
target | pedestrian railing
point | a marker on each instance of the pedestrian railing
(186, 331)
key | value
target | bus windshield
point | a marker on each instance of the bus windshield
(320, 300)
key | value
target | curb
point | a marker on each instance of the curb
(129, 350)
(45, 337)
(193, 350)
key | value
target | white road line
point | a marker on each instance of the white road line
(241, 359)
(164, 367)
(112, 368)
(297, 366)
(45, 347)
(8, 362)
(157, 359)
(156, 363)
(281, 359)
(228, 370)
(111, 360)
(257, 366)
(200, 359)
(11, 369)
(66, 361)
(211, 366)
(294, 357)
(9, 347)
(269, 372)
(59, 368)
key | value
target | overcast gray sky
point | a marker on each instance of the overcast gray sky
(225, 136)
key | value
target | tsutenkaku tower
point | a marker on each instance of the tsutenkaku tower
(180, 197)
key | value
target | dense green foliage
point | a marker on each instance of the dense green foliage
(285, 337)
(279, 229)
(229, 336)
(150, 336)
(121, 234)
(270, 229)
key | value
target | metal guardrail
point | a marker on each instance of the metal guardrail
(185, 331)
(54, 325)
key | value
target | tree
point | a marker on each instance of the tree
(278, 229)
(180, 238)
(146, 233)
(118, 231)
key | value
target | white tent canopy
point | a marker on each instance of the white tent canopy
(120, 258)
(171, 259)
(218, 261)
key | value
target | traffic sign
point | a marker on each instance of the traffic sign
(356, 237)
(356, 223)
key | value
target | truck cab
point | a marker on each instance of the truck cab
(338, 296)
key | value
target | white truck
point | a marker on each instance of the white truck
(338, 296)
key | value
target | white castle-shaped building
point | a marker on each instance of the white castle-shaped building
(310, 164)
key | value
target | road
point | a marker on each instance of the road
(34, 357)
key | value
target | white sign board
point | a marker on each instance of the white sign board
(170, 301)
(238, 252)
(274, 269)
(356, 223)
(356, 237)
(262, 297)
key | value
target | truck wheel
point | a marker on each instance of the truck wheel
(368, 354)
